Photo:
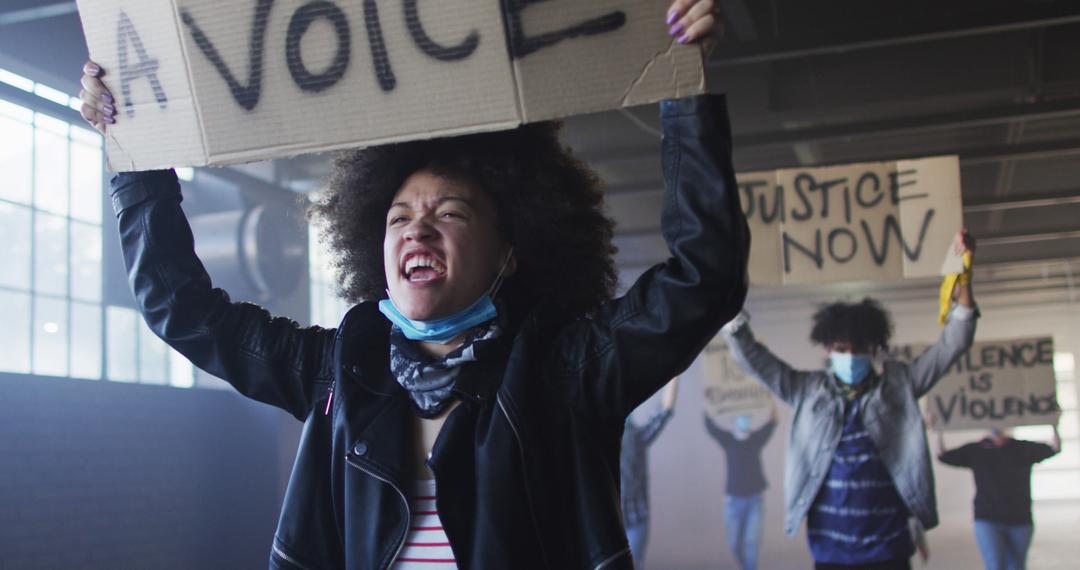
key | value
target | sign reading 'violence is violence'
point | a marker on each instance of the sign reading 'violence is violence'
(212, 82)
(996, 384)
(857, 222)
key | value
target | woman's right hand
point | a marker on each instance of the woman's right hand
(98, 105)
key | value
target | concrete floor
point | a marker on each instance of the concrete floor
(1056, 545)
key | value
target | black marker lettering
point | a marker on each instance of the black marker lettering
(145, 67)
(428, 46)
(869, 180)
(298, 26)
(853, 246)
(803, 183)
(895, 184)
(893, 226)
(522, 45)
(246, 95)
(815, 255)
(384, 73)
(778, 206)
(748, 194)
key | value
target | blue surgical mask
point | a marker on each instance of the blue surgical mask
(850, 368)
(443, 330)
(446, 329)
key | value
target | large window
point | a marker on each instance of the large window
(327, 308)
(50, 228)
(51, 205)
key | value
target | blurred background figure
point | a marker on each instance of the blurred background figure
(745, 483)
(635, 471)
(1001, 466)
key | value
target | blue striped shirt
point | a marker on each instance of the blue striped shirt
(857, 516)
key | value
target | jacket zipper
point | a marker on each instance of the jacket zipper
(404, 501)
(287, 558)
(612, 558)
(525, 479)
(330, 396)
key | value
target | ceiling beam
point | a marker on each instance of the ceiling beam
(37, 13)
(753, 54)
(988, 116)
(1015, 239)
(999, 205)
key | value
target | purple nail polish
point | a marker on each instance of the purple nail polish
(672, 16)
(676, 29)
(684, 38)
(109, 110)
(107, 97)
(110, 120)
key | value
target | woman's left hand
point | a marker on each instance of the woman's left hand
(691, 21)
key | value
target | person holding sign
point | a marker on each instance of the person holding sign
(745, 483)
(634, 472)
(1002, 469)
(468, 411)
(858, 459)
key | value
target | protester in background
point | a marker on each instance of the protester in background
(745, 483)
(1002, 469)
(634, 464)
(486, 364)
(858, 460)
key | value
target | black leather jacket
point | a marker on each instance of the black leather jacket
(528, 464)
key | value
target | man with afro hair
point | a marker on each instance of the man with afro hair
(858, 463)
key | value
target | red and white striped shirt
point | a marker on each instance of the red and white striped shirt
(426, 546)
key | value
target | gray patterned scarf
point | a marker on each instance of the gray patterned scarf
(428, 381)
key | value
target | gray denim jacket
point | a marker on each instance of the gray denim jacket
(889, 411)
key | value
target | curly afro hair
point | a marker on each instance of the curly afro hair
(549, 206)
(866, 325)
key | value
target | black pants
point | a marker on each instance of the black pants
(898, 564)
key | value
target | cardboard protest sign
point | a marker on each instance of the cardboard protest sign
(857, 222)
(996, 384)
(206, 82)
(728, 389)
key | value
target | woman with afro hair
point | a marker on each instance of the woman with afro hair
(858, 464)
(468, 410)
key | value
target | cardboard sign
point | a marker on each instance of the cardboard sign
(728, 389)
(996, 384)
(858, 222)
(206, 82)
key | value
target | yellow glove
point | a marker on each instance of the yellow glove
(949, 283)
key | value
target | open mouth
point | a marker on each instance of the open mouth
(422, 268)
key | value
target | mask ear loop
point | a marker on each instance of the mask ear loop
(494, 289)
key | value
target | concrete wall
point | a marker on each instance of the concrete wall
(97, 474)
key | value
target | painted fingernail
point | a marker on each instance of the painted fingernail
(109, 110)
(672, 16)
(676, 29)
(684, 38)
(94, 69)
(107, 97)
(109, 119)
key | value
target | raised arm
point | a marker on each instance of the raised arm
(758, 361)
(272, 360)
(636, 343)
(721, 435)
(956, 337)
